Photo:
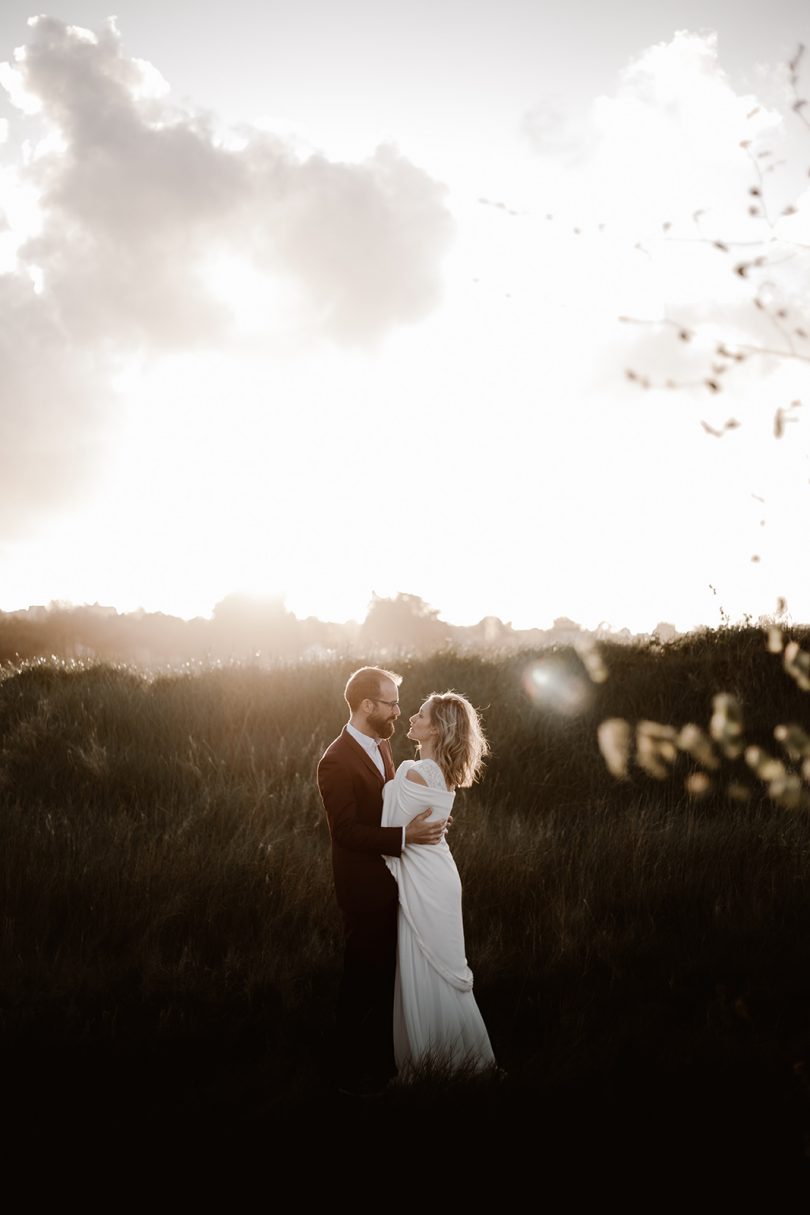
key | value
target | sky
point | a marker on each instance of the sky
(339, 300)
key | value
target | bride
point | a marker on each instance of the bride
(436, 1018)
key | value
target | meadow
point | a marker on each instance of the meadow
(171, 948)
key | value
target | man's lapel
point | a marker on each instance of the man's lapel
(364, 755)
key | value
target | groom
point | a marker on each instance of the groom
(351, 775)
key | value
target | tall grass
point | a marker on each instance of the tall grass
(169, 923)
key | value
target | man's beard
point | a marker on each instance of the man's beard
(383, 727)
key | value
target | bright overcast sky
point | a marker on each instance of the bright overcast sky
(324, 300)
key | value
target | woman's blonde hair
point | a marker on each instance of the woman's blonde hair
(460, 743)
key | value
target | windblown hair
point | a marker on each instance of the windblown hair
(365, 685)
(460, 745)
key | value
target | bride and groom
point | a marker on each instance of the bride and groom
(406, 993)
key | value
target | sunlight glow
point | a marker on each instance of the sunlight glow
(490, 456)
(550, 683)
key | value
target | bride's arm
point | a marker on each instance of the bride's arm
(418, 779)
(420, 830)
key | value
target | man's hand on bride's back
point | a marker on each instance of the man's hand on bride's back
(420, 831)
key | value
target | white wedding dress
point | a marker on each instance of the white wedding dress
(436, 1018)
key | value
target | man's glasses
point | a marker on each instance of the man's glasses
(392, 704)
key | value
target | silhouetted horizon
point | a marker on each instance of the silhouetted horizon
(257, 627)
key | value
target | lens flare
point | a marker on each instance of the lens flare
(551, 684)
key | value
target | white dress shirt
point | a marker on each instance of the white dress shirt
(369, 744)
(372, 747)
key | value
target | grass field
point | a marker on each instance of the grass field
(171, 948)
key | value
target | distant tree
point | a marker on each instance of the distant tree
(564, 624)
(665, 631)
(247, 625)
(404, 622)
(21, 638)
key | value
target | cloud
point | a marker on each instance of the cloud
(138, 196)
(685, 179)
(669, 137)
(365, 239)
(553, 131)
(665, 142)
(116, 215)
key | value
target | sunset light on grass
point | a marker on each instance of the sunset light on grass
(404, 610)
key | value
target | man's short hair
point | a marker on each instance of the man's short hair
(365, 685)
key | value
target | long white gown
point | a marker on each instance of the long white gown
(436, 1018)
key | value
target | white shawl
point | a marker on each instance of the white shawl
(429, 885)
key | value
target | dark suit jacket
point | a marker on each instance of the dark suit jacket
(350, 785)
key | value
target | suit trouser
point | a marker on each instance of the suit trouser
(366, 1001)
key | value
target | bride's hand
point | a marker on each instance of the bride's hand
(419, 831)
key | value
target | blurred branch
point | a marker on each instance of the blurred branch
(787, 320)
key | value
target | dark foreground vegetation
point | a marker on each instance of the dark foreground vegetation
(171, 950)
